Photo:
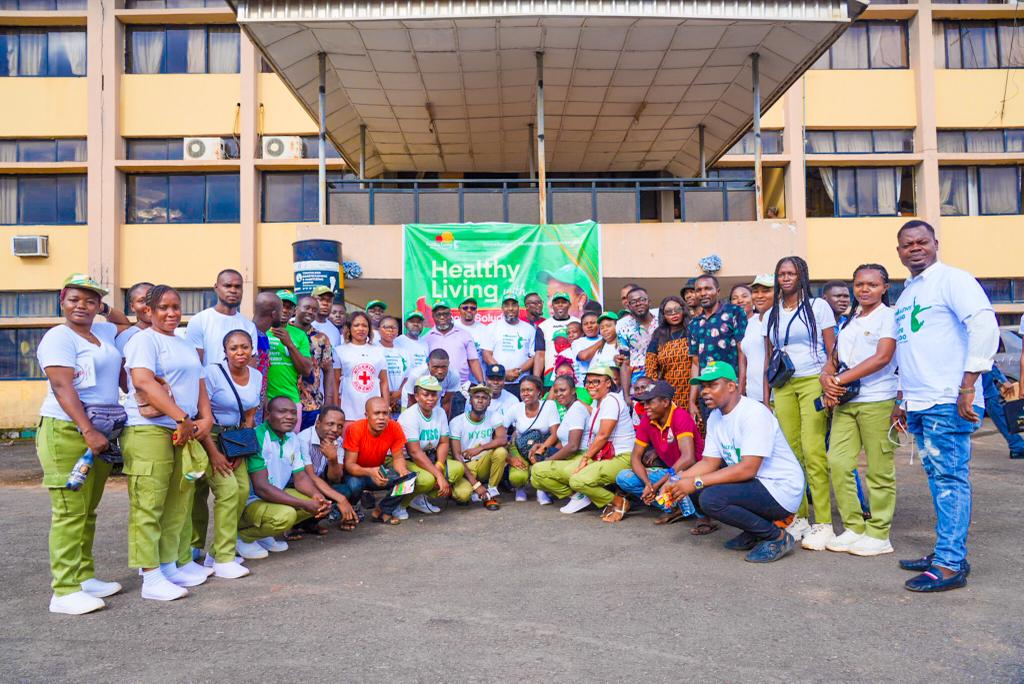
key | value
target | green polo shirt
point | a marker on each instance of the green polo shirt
(282, 378)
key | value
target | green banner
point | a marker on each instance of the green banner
(450, 262)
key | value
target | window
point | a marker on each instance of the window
(859, 142)
(771, 143)
(42, 5)
(860, 191)
(182, 50)
(194, 301)
(18, 353)
(983, 44)
(990, 140)
(869, 45)
(42, 52)
(41, 304)
(311, 148)
(182, 198)
(173, 4)
(38, 199)
(290, 196)
(31, 150)
(170, 148)
(979, 190)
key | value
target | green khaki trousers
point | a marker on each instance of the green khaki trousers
(857, 426)
(264, 519)
(518, 477)
(426, 483)
(804, 428)
(159, 497)
(230, 493)
(72, 514)
(487, 468)
(558, 479)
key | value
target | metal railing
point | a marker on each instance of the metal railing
(385, 201)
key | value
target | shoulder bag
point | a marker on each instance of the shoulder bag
(147, 410)
(110, 420)
(607, 452)
(780, 366)
(237, 442)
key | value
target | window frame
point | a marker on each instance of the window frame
(963, 132)
(874, 143)
(205, 28)
(904, 29)
(26, 366)
(975, 189)
(16, 32)
(959, 24)
(131, 212)
(57, 178)
(897, 172)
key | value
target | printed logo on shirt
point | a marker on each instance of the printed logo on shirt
(430, 435)
(915, 322)
(362, 377)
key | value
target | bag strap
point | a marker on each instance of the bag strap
(231, 384)
(593, 420)
(536, 417)
(785, 342)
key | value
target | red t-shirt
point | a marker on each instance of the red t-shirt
(372, 449)
(665, 439)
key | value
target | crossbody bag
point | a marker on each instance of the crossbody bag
(780, 366)
(238, 442)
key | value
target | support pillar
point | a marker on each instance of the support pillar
(362, 151)
(758, 180)
(322, 151)
(542, 190)
(703, 155)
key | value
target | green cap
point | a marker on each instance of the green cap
(603, 369)
(715, 370)
(479, 388)
(429, 382)
(82, 281)
(560, 333)
(509, 296)
(322, 290)
(439, 304)
(414, 314)
(608, 316)
(562, 295)
(286, 296)
(568, 274)
(376, 302)
(764, 280)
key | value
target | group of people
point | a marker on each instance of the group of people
(748, 412)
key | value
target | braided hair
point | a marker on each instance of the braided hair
(156, 293)
(885, 295)
(804, 311)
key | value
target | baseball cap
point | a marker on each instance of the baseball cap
(322, 290)
(560, 333)
(439, 305)
(561, 295)
(603, 369)
(568, 274)
(376, 302)
(480, 388)
(467, 300)
(81, 281)
(764, 280)
(608, 316)
(509, 296)
(429, 382)
(715, 370)
(414, 314)
(286, 296)
(495, 371)
(659, 389)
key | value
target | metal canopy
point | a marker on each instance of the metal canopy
(449, 85)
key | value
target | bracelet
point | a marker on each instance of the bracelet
(966, 390)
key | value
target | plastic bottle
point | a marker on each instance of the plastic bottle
(80, 471)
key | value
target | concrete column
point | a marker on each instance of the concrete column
(922, 63)
(793, 147)
(322, 146)
(755, 71)
(542, 175)
(248, 181)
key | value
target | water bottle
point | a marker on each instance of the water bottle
(80, 471)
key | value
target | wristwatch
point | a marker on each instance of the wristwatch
(698, 483)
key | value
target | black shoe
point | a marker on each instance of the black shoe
(744, 541)
(368, 501)
(771, 550)
(1017, 455)
(931, 580)
(922, 564)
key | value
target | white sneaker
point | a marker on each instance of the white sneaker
(78, 603)
(421, 504)
(183, 579)
(474, 498)
(820, 535)
(521, 494)
(799, 528)
(493, 491)
(543, 498)
(209, 561)
(430, 505)
(869, 546)
(99, 588)
(251, 550)
(230, 570)
(401, 513)
(843, 542)
(576, 503)
(194, 568)
(273, 545)
(159, 588)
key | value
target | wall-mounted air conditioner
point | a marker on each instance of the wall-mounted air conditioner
(282, 147)
(203, 148)
(30, 246)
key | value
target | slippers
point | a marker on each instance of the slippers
(293, 535)
(492, 504)
(378, 516)
(669, 518)
(703, 527)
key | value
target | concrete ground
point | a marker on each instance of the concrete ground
(532, 595)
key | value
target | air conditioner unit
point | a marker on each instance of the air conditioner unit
(282, 147)
(30, 245)
(203, 148)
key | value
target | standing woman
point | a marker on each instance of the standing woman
(82, 366)
(742, 296)
(802, 328)
(536, 423)
(668, 355)
(752, 344)
(228, 384)
(398, 364)
(137, 303)
(165, 378)
(364, 369)
(865, 350)
(604, 351)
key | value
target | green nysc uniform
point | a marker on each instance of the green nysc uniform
(280, 457)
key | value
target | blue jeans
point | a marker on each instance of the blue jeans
(353, 486)
(944, 439)
(630, 482)
(747, 506)
(994, 409)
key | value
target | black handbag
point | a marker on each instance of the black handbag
(780, 366)
(852, 389)
(237, 442)
(530, 436)
(1014, 411)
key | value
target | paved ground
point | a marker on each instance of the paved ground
(529, 594)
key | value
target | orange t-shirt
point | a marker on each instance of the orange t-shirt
(370, 449)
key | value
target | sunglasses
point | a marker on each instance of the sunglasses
(672, 312)
(469, 307)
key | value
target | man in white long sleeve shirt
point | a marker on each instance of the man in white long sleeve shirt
(946, 337)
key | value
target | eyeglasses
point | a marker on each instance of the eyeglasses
(638, 300)
(469, 307)
(592, 381)
(671, 312)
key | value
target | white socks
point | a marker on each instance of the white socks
(157, 587)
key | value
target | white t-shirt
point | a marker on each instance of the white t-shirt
(578, 345)
(398, 365)
(207, 329)
(543, 421)
(751, 429)
(1021, 328)
(222, 399)
(472, 434)
(511, 345)
(549, 326)
(361, 365)
(331, 330)
(612, 407)
(931, 338)
(417, 349)
(449, 384)
(171, 358)
(427, 431)
(859, 341)
(96, 369)
(752, 346)
(808, 359)
(478, 331)
(503, 406)
(605, 356)
(125, 335)
(576, 418)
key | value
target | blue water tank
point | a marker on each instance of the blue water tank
(318, 262)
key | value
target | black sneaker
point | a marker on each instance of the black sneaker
(744, 541)
(771, 550)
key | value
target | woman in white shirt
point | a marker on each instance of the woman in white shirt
(165, 380)
(802, 328)
(229, 383)
(603, 351)
(752, 344)
(397, 360)
(556, 469)
(82, 365)
(536, 423)
(364, 369)
(866, 346)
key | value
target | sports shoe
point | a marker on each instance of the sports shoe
(474, 498)
(250, 550)
(421, 504)
(869, 546)
(209, 562)
(520, 494)
(820, 535)
(576, 503)
(183, 579)
(273, 545)
(99, 588)
(543, 498)
(229, 570)
(194, 568)
(159, 588)
(931, 580)
(843, 542)
(493, 491)
(401, 513)
(798, 529)
(744, 541)
(78, 603)
(771, 550)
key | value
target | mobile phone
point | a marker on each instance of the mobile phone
(623, 351)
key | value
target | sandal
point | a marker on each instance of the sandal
(293, 534)
(379, 516)
(492, 504)
(346, 526)
(703, 527)
(669, 518)
(616, 510)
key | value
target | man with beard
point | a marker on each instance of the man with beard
(558, 322)
(714, 335)
(634, 336)
(511, 344)
(462, 354)
(320, 385)
(207, 328)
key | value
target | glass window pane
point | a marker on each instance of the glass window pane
(952, 141)
(1015, 140)
(852, 142)
(8, 304)
(176, 4)
(8, 353)
(175, 148)
(985, 141)
(282, 197)
(37, 197)
(32, 53)
(8, 200)
(771, 142)
(72, 195)
(999, 290)
(953, 191)
(820, 142)
(8, 151)
(8, 53)
(867, 191)
(146, 51)
(851, 50)
(894, 141)
(888, 48)
(1011, 44)
(147, 199)
(37, 151)
(846, 192)
(38, 304)
(28, 341)
(979, 45)
(145, 4)
(71, 4)
(953, 60)
(146, 149)
(71, 149)
(186, 197)
(66, 53)
(310, 197)
(222, 198)
(36, 5)
(186, 50)
(224, 50)
(999, 189)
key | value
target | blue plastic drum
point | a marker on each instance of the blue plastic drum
(318, 262)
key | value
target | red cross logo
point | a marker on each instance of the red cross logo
(362, 377)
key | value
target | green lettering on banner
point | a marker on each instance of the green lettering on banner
(452, 262)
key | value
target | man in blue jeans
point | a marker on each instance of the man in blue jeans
(994, 407)
(946, 337)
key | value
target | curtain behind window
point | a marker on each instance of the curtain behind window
(1011, 42)
(821, 142)
(1000, 189)
(8, 151)
(9, 52)
(886, 46)
(224, 50)
(147, 51)
(853, 141)
(196, 51)
(67, 53)
(8, 200)
(953, 191)
(978, 41)
(985, 141)
(851, 50)
(32, 53)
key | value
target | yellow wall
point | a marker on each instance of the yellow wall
(282, 114)
(69, 253)
(836, 246)
(987, 246)
(179, 104)
(43, 107)
(776, 116)
(860, 99)
(974, 98)
(274, 253)
(179, 254)
(19, 403)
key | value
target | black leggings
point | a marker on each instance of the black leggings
(745, 505)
